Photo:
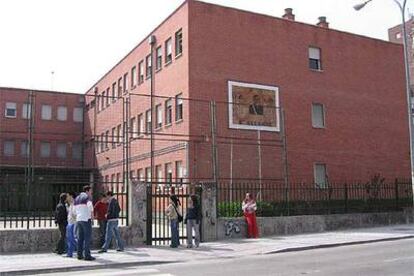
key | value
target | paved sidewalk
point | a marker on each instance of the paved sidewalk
(24, 264)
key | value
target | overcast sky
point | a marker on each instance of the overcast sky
(80, 40)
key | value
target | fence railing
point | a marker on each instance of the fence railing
(275, 199)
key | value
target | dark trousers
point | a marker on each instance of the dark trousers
(84, 229)
(102, 232)
(61, 245)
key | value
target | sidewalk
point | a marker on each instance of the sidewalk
(21, 264)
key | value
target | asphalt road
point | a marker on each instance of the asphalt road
(382, 258)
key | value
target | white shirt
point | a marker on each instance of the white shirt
(83, 208)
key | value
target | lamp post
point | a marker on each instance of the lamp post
(402, 6)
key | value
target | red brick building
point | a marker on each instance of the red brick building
(342, 95)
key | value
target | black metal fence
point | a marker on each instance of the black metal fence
(275, 199)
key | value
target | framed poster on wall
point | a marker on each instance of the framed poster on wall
(253, 106)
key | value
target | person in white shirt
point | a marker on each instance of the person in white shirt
(249, 210)
(84, 215)
(70, 229)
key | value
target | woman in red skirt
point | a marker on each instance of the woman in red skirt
(249, 209)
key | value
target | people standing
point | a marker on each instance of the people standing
(100, 210)
(174, 214)
(84, 215)
(112, 217)
(249, 208)
(61, 219)
(70, 229)
(192, 220)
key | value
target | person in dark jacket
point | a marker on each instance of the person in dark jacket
(112, 217)
(61, 219)
(192, 220)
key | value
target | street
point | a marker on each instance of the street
(381, 258)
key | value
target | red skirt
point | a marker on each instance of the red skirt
(252, 231)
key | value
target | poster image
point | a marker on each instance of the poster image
(253, 106)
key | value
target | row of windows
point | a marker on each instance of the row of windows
(137, 76)
(46, 112)
(9, 149)
(139, 126)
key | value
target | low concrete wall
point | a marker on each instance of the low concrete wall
(237, 228)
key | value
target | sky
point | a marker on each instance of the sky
(81, 40)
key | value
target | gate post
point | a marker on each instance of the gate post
(137, 213)
(209, 209)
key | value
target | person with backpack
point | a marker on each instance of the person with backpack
(192, 220)
(112, 217)
(175, 217)
(61, 219)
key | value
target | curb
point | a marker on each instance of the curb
(331, 245)
(82, 268)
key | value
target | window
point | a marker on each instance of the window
(168, 112)
(62, 113)
(158, 114)
(148, 64)
(46, 112)
(168, 173)
(103, 100)
(44, 149)
(158, 173)
(141, 72)
(24, 149)
(114, 92)
(179, 170)
(102, 144)
(125, 82)
(107, 139)
(107, 99)
(124, 131)
(118, 181)
(27, 111)
(140, 175)
(148, 125)
(134, 127)
(133, 77)
(168, 50)
(77, 151)
(118, 133)
(318, 115)
(158, 65)
(113, 139)
(320, 176)
(178, 43)
(398, 35)
(78, 114)
(315, 58)
(8, 148)
(141, 125)
(178, 107)
(148, 174)
(61, 150)
(132, 174)
(119, 87)
(11, 111)
(113, 178)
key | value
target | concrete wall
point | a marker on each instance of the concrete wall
(236, 228)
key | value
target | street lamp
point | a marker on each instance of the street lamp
(402, 7)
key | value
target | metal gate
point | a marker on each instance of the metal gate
(158, 224)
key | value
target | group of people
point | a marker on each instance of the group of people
(74, 215)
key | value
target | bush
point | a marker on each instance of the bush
(229, 209)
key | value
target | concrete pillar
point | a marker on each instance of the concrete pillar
(209, 203)
(136, 234)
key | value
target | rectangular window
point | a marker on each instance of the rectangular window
(178, 107)
(141, 72)
(133, 76)
(102, 142)
(107, 139)
(315, 58)
(158, 114)
(8, 148)
(158, 173)
(114, 92)
(27, 111)
(168, 173)
(179, 171)
(320, 176)
(148, 120)
(118, 133)
(168, 112)
(168, 50)
(78, 114)
(62, 113)
(148, 64)
(148, 174)
(113, 138)
(113, 178)
(77, 151)
(61, 150)
(108, 97)
(24, 149)
(103, 100)
(318, 115)
(178, 43)
(46, 112)
(98, 102)
(140, 174)
(11, 110)
(134, 127)
(141, 125)
(158, 65)
(119, 87)
(125, 82)
(44, 149)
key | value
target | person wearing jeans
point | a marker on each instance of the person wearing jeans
(70, 229)
(100, 210)
(172, 213)
(84, 215)
(112, 217)
(192, 220)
